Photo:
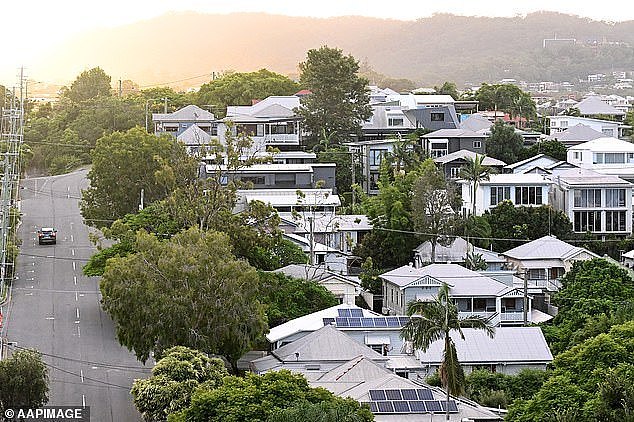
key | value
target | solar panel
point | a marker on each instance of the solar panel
(453, 407)
(393, 394)
(393, 322)
(385, 406)
(373, 407)
(376, 395)
(403, 320)
(380, 322)
(433, 406)
(409, 394)
(354, 322)
(341, 322)
(425, 394)
(344, 313)
(417, 406)
(401, 407)
(329, 321)
(367, 322)
(357, 313)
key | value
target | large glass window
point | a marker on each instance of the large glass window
(587, 221)
(615, 221)
(395, 121)
(499, 194)
(438, 149)
(376, 155)
(587, 198)
(528, 195)
(614, 198)
(608, 158)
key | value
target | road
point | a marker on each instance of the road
(55, 309)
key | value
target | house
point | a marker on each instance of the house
(370, 154)
(446, 141)
(332, 360)
(595, 203)
(593, 107)
(387, 121)
(577, 134)
(605, 155)
(432, 118)
(342, 232)
(511, 350)
(271, 122)
(528, 189)
(289, 200)
(545, 260)
(456, 252)
(473, 293)
(608, 128)
(345, 289)
(330, 258)
(482, 122)
(195, 140)
(179, 121)
(452, 163)
(541, 161)
(278, 176)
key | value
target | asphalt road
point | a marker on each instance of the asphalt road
(55, 309)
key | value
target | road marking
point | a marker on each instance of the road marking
(28, 294)
(81, 374)
(50, 318)
(75, 279)
(83, 400)
(72, 252)
(74, 268)
(77, 309)
(71, 238)
(78, 332)
(76, 298)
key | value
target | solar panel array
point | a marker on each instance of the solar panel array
(408, 400)
(347, 313)
(362, 322)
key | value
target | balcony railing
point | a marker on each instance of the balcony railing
(289, 138)
(551, 285)
(513, 316)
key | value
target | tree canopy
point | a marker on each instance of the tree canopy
(504, 143)
(189, 290)
(242, 88)
(505, 97)
(339, 100)
(88, 85)
(23, 381)
(553, 148)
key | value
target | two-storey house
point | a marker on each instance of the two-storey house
(605, 155)
(453, 162)
(446, 141)
(608, 128)
(191, 125)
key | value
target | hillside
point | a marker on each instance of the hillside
(428, 51)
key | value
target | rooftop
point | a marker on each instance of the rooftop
(547, 247)
(464, 154)
(187, 113)
(579, 176)
(594, 106)
(578, 132)
(605, 144)
(454, 133)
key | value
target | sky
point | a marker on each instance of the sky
(33, 27)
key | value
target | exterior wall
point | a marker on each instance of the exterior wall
(502, 368)
(561, 123)
(483, 196)
(345, 292)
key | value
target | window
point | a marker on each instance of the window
(454, 172)
(256, 180)
(285, 180)
(499, 194)
(587, 198)
(608, 158)
(576, 155)
(374, 181)
(528, 195)
(376, 155)
(438, 149)
(477, 144)
(437, 117)
(537, 274)
(587, 221)
(564, 123)
(608, 132)
(614, 198)
(509, 303)
(615, 221)
(394, 121)
(479, 304)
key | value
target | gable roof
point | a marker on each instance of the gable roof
(194, 135)
(188, 113)
(315, 273)
(461, 281)
(547, 247)
(605, 144)
(592, 106)
(464, 154)
(510, 344)
(530, 159)
(476, 123)
(456, 251)
(578, 132)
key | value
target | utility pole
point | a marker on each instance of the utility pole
(165, 109)
(311, 224)
(525, 297)
(120, 88)
(141, 204)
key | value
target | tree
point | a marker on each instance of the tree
(339, 100)
(340, 155)
(126, 164)
(369, 277)
(287, 298)
(89, 84)
(505, 97)
(336, 410)
(252, 398)
(432, 206)
(504, 143)
(23, 381)
(189, 290)
(174, 378)
(475, 172)
(553, 148)
(448, 88)
(434, 321)
(242, 88)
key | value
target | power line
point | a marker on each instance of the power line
(173, 82)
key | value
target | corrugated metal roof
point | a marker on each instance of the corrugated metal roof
(594, 106)
(605, 144)
(578, 132)
(464, 154)
(547, 247)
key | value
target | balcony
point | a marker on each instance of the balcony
(513, 316)
(551, 285)
(280, 139)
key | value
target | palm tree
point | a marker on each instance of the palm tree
(475, 172)
(435, 320)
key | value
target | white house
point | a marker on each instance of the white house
(473, 292)
(521, 189)
(610, 128)
(605, 155)
(538, 161)
(345, 289)
(456, 252)
(596, 203)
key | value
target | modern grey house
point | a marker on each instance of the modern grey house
(278, 176)
(446, 141)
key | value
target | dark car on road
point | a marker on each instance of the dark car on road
(47, 235)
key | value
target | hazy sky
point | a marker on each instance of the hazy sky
(31, 27)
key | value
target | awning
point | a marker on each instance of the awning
(377, 340)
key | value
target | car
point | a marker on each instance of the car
(47, 235)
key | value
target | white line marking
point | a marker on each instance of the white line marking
(71, 238)
(72, 252)
(74, 268)
(83, 400)
(50, 318)
(77, 309)
(78, 332)
(75, 279)
(81, 374)
(28, 294)
(76, 298)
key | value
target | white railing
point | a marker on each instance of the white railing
(513, 316)
(291, 138)
(551, 285)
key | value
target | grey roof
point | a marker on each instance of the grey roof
(528, 160)
(380, 118)
(461, 281)
(578, 132)
(587, 177)
(510, 344)
(464, 154)
(315, 273)
(421, 117)
(592, 106)
(456, 251)
(476, 123)
(187, 113)
(454, 133)
(547, 247)
(194, 135)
